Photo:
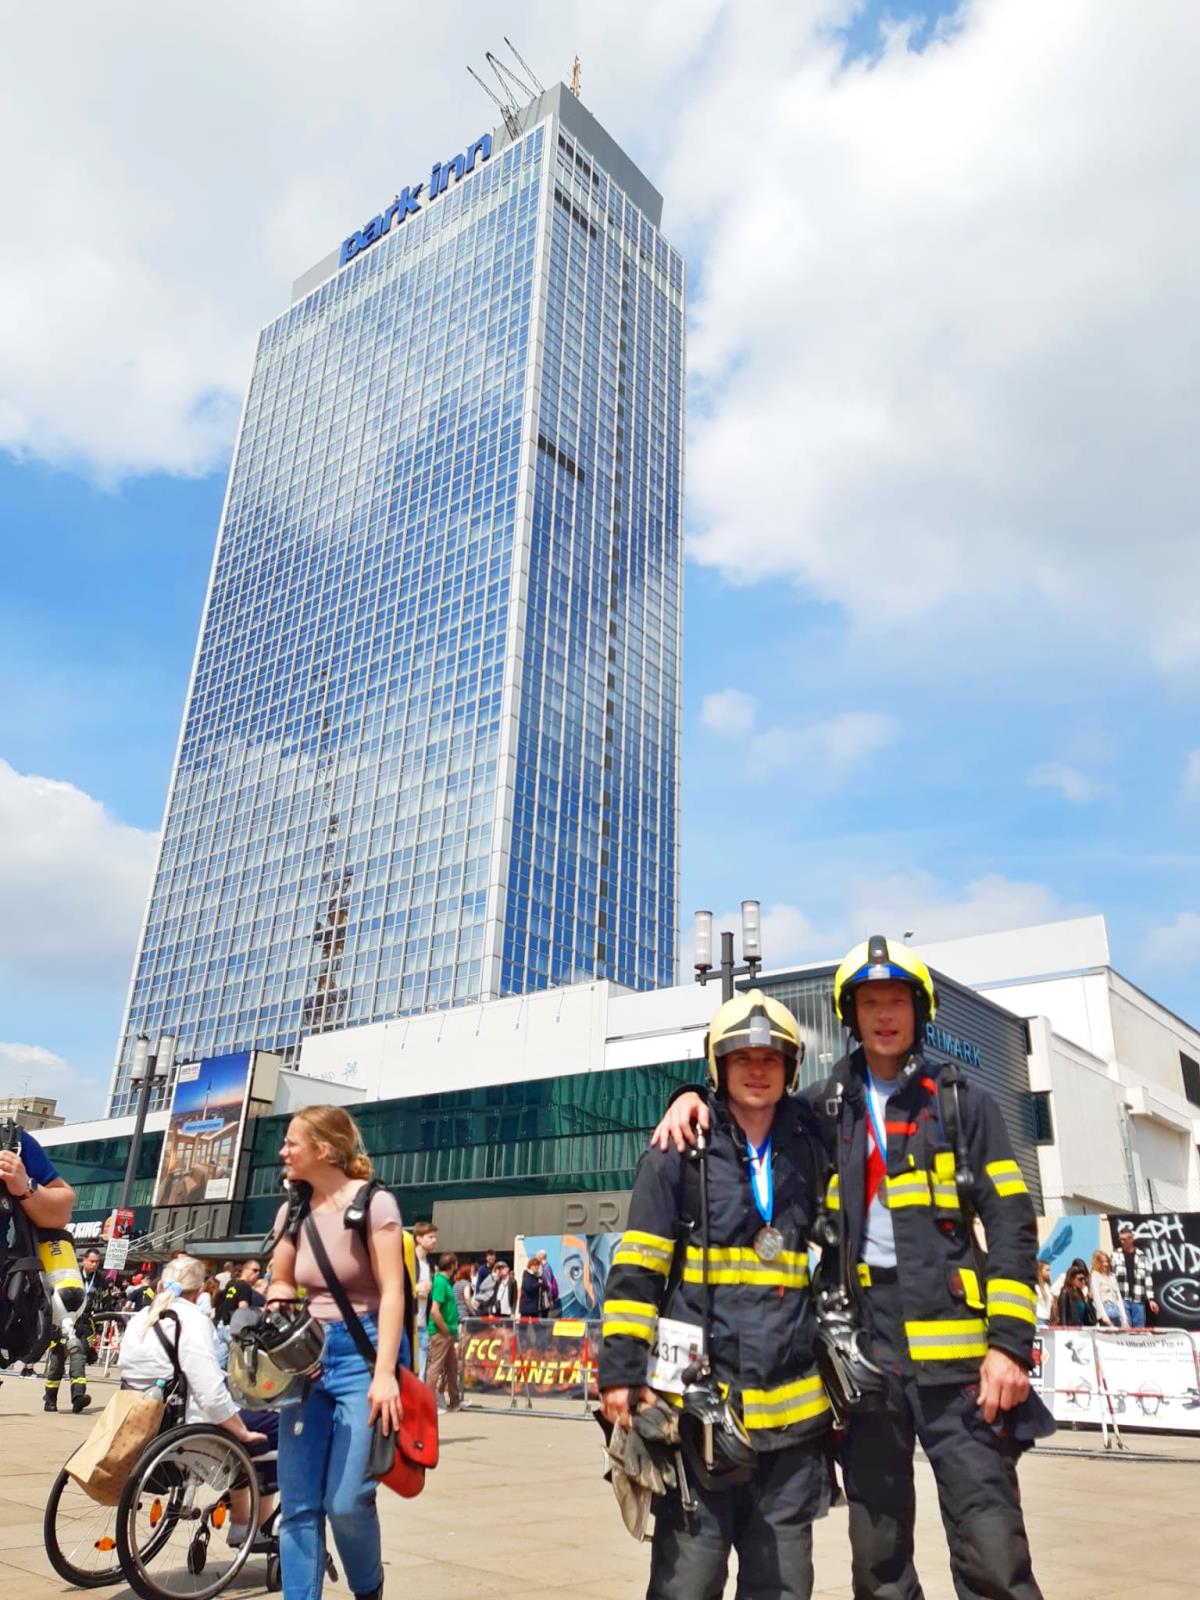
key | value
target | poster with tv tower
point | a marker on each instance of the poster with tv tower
(204, 1134)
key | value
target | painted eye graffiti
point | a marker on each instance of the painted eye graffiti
(1181, 1297)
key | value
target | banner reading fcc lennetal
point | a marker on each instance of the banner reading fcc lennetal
(204, 1135)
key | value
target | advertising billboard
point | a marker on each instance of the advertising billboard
(204, 1135)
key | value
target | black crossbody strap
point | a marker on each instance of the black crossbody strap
(340, 1298)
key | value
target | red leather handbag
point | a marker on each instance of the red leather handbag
(416, 1441)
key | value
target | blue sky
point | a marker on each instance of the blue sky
(940, 647)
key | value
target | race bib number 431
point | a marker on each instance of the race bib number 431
(676, 1345)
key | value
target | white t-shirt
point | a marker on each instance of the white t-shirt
(424, 1275)
(143, 1361)
(879, 1237)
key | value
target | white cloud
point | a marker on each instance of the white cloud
(729, 711)
(31, 1069)
(1191, 776)
(1175, 943)
(930, 366)
(927, 366)
(1072, 784)
(830, 747)
(73, 884)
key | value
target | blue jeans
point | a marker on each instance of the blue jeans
(422, 1349)
(1136, 1311)
(323, 1447)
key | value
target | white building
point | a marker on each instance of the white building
(1121, 1072)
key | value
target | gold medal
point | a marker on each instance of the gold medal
(768, 1243)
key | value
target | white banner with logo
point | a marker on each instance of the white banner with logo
(1144, 1379)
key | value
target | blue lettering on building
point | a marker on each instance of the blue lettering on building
(951, 1045)
(408, 202)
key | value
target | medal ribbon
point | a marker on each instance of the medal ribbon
(762, 1178)
(876, 1150)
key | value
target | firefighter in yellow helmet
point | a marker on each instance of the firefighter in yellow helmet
(922, 1150)
(763, 1176)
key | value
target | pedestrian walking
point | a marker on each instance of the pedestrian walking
(443, 1333)
(325, 1441)
(425, 1251)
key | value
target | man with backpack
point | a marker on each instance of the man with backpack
(32, 1197)
(948, 1329)
(70, 1346)
(708, 1304)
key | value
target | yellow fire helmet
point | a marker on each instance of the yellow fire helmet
(875, 959)
(753, 1020)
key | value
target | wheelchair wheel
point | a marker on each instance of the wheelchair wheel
(80, 1536)
(176, 1511)
(274, 1575)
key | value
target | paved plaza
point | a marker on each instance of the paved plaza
(517, 1507)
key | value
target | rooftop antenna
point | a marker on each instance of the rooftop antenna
(575, 67)
(504, 76)
(507, 110)
(529, 72)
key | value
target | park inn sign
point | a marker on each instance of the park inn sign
(408, 202)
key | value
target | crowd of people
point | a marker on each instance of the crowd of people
(885, 1167)
(1115, 1291)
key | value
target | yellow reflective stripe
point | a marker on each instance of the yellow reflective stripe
(1006, 1175)
(970, 1283)
(648, 1250)
(637, 1318)
(953, 1339)
(864, 1274)
(908, 1189)
(943, 1166)
(787, 1403)
(833, 1197)
(738, 1264)
(1006, 1297)
(945, 1196)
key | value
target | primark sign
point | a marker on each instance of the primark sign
(409, 201)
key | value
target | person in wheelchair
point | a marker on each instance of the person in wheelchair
(182, 1360)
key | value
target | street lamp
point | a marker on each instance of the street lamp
(145, 1069)
(751, 948)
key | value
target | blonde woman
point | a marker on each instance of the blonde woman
(324, 1441)
(1106, 1293)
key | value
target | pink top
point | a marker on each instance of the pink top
(347, 1256)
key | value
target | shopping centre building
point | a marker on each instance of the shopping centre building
(528, 1114)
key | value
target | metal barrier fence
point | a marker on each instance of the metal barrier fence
(529, 1365)
(1120, 1380)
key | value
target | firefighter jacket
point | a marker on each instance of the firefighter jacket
(956, 1300)
(762, 1318)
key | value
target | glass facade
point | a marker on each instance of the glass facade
(584, 1132)
(430, 748)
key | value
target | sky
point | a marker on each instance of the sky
(941, 636)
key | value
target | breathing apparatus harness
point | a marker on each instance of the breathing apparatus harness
(853, 1381)
(718, 1447)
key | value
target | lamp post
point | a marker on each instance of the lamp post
(751, 948)
(145, 1068)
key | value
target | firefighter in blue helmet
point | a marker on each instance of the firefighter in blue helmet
(947, 1330)
(728, 1266)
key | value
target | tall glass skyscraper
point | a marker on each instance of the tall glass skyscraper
(430, 753)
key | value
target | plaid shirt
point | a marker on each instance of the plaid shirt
(1142, 1288)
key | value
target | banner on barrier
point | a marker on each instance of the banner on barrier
(1133, 1380)
(554, 1357)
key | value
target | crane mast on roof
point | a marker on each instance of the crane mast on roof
(504, 76)
(507, 110)
(529, 72)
